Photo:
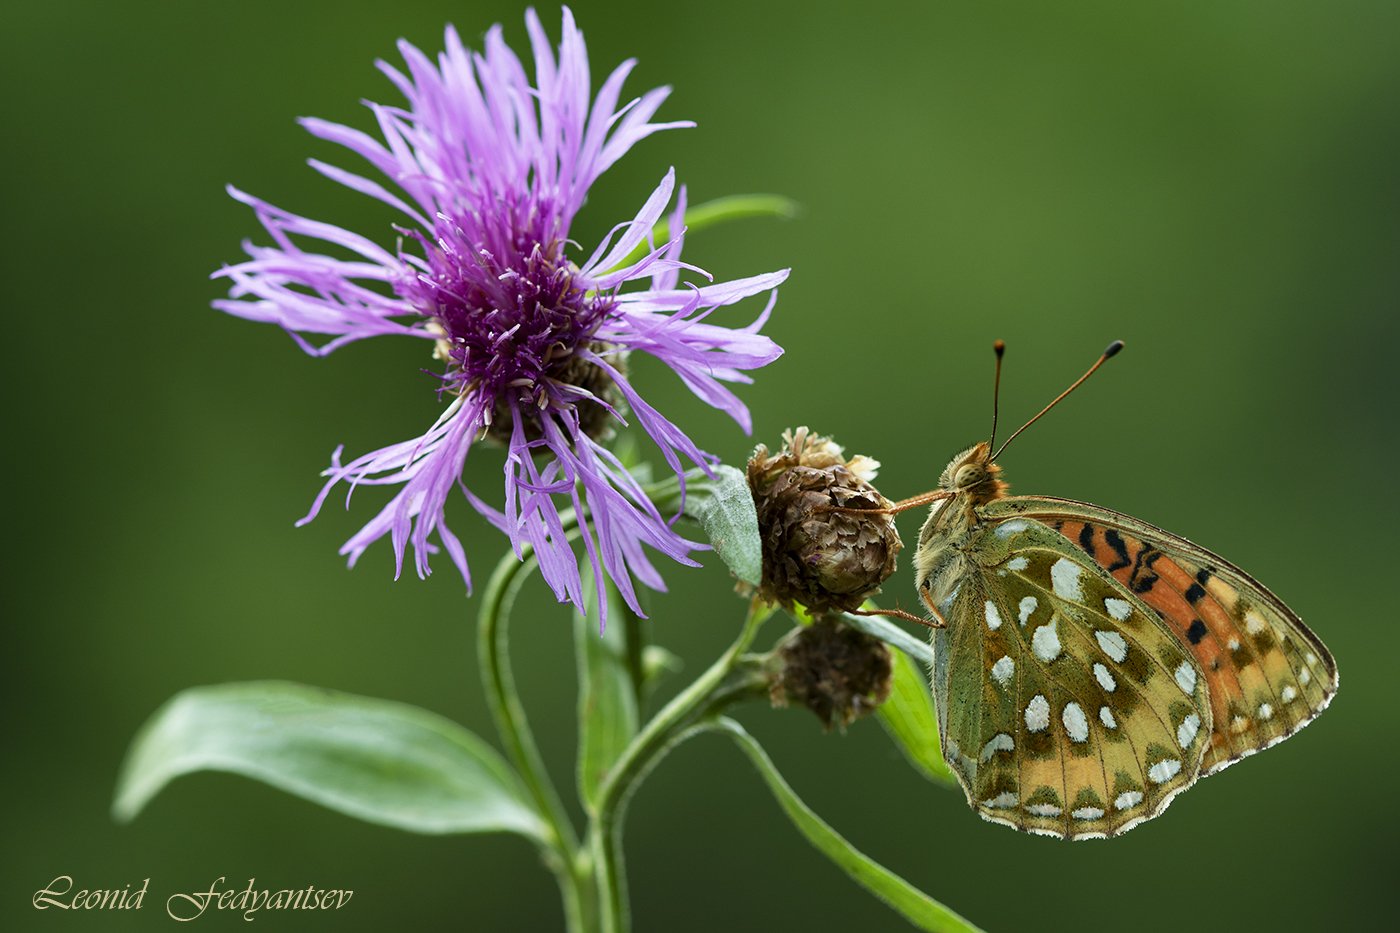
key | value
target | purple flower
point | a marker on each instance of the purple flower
(533, 344)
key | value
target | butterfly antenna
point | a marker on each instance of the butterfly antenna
(999, 348)
(1112, 351)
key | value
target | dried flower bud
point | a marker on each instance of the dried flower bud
(837, 672)
(812, 554)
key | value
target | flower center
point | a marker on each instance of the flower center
(514, 323)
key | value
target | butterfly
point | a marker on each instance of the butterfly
(1089, 666)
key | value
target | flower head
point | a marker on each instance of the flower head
(490, 170)
(837, 672)
(819, 549)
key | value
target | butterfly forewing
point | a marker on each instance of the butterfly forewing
(1067, 707)
(1267, 674)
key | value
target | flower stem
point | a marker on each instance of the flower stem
(514, 730)
(634, 637)
(666, 729)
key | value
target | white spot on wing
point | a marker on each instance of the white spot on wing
(1186, 732)
(1106, 717)
(1266, 711)
(1017, 563)
(1305, 677)
(1003, 669)
(1186, 677)
(1164, 770)
(1253, 624)
(1288, 694)
(1001, 742)
(1113, 645)
(1087, 813)
(1046, 643)
(1104, 678)
(993, 617)
(1043, 809)
(1128, 799)
(1075, 723)
(1233, 644)
(1064, 577)
(1027, 606)
(1007, 529)
(947, 604)
(1038, 713)
(1119, 609)
(1001, 801)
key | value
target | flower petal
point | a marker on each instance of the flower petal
(638, 229)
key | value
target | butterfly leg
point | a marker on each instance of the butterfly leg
(938, 621)
(903, 505)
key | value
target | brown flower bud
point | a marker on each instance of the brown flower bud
(813, 554)
(836, 671)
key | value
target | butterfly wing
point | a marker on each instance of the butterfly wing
(1267, 674)
(1066, 707)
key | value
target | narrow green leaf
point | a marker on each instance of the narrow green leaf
(908, 716)
(734, 207)
(607, 700)
(724, 507)
(914, 905)
(714, 213)
(379, 761)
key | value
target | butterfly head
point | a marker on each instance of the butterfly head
(972, 473)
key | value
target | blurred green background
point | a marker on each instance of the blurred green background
(1215, 183)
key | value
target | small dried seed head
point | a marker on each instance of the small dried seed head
(813, 554)
(837, 672)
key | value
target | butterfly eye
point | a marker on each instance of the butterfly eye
(969, 474)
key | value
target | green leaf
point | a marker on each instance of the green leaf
(914, 905)
(379, 761)
(713, 213)
(724, 507)
(908, 716)
(607, 700)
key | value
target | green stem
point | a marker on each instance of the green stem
(571, 864)
(634, 637)
(514, 729)
(666, 729)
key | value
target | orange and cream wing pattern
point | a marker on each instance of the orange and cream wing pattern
(1067, 708)
(1266, 674)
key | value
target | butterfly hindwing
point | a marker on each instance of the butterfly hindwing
(1067, 707)
(1267, 674)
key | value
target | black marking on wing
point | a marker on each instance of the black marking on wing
(1120, 549)
(1196, 632)
(1143, 577)
(1194, 593)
